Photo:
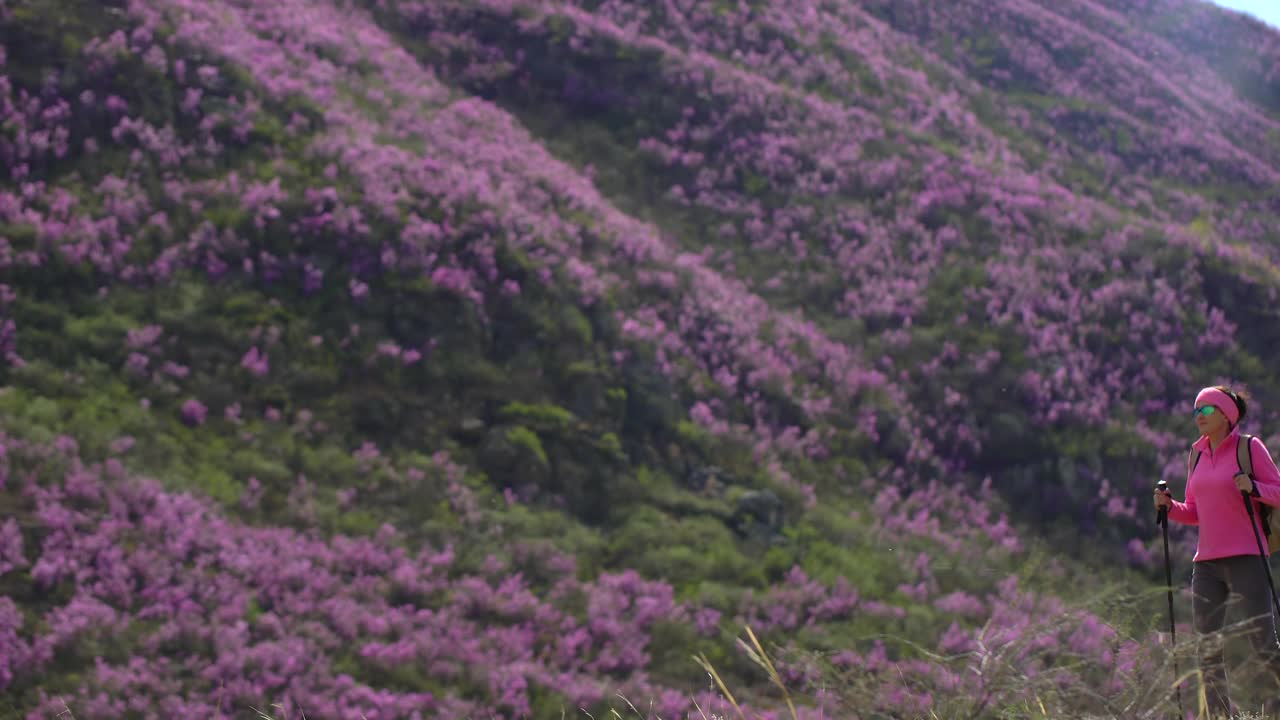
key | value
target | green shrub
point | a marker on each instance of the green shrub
(527, 440)
(544, 416)
(217, 484)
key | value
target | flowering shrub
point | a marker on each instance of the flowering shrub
(1012, 239)
(331, 626)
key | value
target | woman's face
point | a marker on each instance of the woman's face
(1210, 420)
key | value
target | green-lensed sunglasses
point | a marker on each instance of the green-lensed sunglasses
(1207, 411)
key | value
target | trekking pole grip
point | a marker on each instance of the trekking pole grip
(1162, 516)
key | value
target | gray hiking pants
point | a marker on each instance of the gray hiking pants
(1213, 582)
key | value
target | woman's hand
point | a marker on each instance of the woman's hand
(1162, 500)
(1244, 483)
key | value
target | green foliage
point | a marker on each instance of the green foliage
(216, 484)
(692, 432)
(685, 552)
(577, 324)
(986, 51)
(527, 440)
(549, 417)
(354, 523)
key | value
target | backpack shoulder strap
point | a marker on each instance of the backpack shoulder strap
(1244, 459)
(1244, 454)
(1193, 459)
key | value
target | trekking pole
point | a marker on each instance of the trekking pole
(1163, 519)
(1262, 554)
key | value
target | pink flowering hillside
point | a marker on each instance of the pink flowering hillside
(495, 358)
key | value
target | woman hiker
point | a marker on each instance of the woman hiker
(1226, 559)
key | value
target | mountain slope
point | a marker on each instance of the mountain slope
(866, 224)
(492, 358)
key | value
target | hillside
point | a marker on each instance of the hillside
(492, 358)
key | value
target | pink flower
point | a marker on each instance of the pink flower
(255, 362)
(194, 412)
(359, 290)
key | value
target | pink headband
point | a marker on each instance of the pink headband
(1222, 401)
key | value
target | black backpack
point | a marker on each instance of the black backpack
(1244, 461)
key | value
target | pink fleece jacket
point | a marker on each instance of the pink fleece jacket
(1214, 502)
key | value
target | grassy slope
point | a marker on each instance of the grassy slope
(552, 410)
(601, 136)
